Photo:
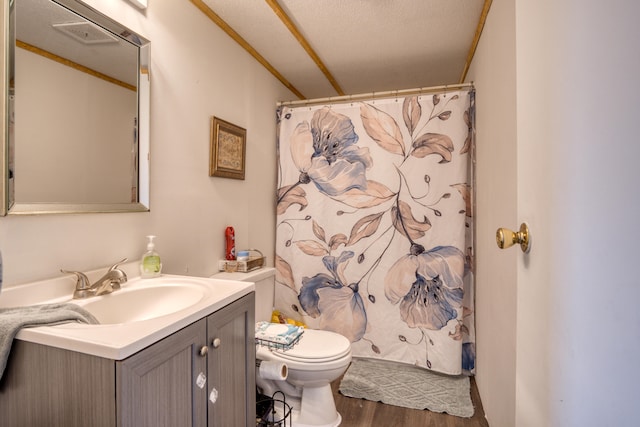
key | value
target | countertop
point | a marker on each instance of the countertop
(118, 341)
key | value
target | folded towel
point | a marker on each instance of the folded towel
(15, 318)
(278, 333)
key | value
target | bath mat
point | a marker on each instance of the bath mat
(407, 386)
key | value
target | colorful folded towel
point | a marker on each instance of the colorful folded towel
(278, 333)
(15, 318)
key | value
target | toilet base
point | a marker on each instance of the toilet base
(316, 408)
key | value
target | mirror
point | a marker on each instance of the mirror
(76, 111)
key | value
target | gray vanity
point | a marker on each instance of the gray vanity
(170, 383)
(191, 367)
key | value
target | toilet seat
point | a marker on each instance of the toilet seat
(317, 346)
(316, 350)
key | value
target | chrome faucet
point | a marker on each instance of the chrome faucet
(109, 282)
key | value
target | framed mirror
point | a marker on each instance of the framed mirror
(76, 112)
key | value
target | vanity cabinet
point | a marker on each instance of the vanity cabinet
(202, 375)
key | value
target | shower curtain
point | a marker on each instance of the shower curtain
(374, 225)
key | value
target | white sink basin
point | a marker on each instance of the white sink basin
(147, 299)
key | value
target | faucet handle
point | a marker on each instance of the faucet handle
(83, 285)
(114, 266)
(118, 276)
(82, 279)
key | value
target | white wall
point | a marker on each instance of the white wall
(577, 325)
(197, 71)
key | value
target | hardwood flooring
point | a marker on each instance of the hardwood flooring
(364, 413)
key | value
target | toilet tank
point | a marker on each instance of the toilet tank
(264, 279)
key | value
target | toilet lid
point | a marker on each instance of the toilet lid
(317, 346)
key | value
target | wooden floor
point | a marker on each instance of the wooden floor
(364, 413)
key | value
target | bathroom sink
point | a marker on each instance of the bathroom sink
(132, 318)
(144, 299)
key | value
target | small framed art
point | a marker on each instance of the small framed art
(227, 149)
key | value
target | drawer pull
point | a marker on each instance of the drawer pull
(216, 342)
(204, 350)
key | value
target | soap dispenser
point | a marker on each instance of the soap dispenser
(150, 265)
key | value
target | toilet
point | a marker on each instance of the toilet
(318, 358)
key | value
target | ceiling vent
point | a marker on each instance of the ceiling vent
(86, 32)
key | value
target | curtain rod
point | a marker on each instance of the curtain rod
(376, 95)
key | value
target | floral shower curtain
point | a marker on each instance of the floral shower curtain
(374, 225)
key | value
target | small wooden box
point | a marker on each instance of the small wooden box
(253, 263)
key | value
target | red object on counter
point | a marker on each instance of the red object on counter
(230, 239)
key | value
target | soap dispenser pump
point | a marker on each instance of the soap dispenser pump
(150, 265)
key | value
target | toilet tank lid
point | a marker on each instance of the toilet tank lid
(251, 276)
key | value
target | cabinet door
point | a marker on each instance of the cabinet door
(232, 365)
(164, 384)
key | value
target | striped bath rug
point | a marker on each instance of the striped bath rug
(407, 386)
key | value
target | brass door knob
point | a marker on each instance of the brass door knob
(506, 238)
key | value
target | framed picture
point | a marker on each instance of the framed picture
(227, 150)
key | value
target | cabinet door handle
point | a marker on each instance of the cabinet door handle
(216, 342)
(204, 350)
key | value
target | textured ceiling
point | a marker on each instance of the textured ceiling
(361, 46)
(366, 45)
